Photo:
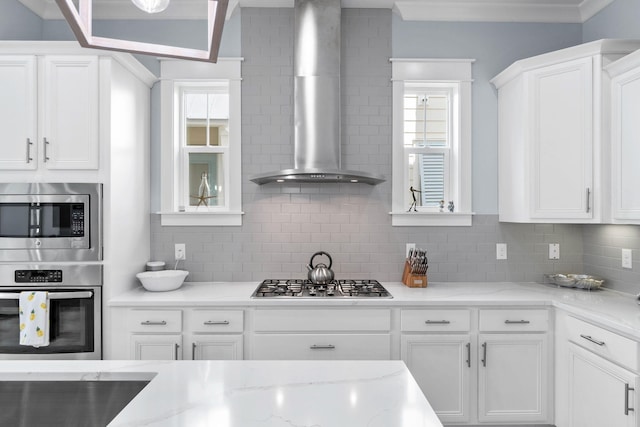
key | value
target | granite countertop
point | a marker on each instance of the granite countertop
(611, 309)
(252, 393)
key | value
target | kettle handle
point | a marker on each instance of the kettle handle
(321, 253)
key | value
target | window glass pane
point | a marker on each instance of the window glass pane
(426, 120)
(206, 179)
(427, 178)
(206, 119)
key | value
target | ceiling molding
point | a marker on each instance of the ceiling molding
(550, 11)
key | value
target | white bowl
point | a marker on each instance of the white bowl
(164, 280)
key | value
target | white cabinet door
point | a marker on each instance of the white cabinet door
(155, 347)
(18, 112)
(69, 107)
(625, 146)
(600, 393)
(214, 347)
(442, 366)
(513, 378)
(562, 139)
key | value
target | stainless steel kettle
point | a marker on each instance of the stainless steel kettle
(320, 274)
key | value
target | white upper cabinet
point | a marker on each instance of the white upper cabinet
(625, 139)
(18, 115)
(553, 130)
(69, 111)
(49, 112)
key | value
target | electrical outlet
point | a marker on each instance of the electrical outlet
(410, 246)
(501, 251)
(180, 251)
(627, 261)
(554, 250)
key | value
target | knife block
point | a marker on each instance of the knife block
(413, 280)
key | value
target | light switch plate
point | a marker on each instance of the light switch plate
(554, 251)
(501, 251)
(627, 260)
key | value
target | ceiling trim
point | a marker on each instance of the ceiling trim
(559, 11)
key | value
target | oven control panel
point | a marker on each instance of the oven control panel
(38, 276)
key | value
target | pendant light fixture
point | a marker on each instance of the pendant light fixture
(80, 20)
(151, 6)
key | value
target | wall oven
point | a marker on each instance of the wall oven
(50, 222)
(75, 316)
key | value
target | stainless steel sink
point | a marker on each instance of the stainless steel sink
(35, 403)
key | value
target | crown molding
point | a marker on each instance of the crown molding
(549, 11)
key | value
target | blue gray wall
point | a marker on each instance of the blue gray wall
(18, 22)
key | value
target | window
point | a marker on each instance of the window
(431, 142)
(201, 143)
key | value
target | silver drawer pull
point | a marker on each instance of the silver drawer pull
(588, 338)
(322, 347)
(29, 144)
(150, 323)
(516, 322)
(216, 322)
(627, 389)
(437, 322)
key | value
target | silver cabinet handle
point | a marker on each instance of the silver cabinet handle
(150, 323)
(627, 389)
(216, 322)
(29, 144)
(437, 322)
(517, 322)
(588, 338)
(46, 145)
(468, 354)
(484, 354)
(193, 351)
(588, 200)
(177, 348)
(322, 347)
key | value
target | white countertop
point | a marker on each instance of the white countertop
(611, 309)
(253, 393)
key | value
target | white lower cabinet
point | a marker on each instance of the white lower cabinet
(496, 372)
(156, 347)
(513, 378)
(321, 334)
(601, 393)
(206, 334)
(442, 366)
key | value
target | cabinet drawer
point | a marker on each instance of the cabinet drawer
(614, 347)
(533, 320)
(435, 320)
(155, 321)
(216, 321)
(322, 320)
(322, 347)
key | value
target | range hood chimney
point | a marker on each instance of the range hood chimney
(316, 73)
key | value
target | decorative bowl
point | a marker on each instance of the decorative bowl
(581, 281)
(164, 280)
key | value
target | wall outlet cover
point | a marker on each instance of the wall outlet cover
(627, 258)
(501, 251)
(554, 251)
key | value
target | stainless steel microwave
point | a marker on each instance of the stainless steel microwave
(50, 222)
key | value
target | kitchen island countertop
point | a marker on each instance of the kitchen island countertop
(252, 393)
(611, 309)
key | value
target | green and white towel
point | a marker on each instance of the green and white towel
(34, 318)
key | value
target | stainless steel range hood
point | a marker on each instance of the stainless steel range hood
(316, 66)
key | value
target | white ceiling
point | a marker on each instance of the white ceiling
(558, 11)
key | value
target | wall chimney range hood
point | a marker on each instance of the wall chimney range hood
(316, 74)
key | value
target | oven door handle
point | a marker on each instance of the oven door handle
(52, 295)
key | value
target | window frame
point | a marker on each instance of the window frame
(178, 76)
(434, 74)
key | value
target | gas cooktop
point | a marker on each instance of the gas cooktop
(299, 288)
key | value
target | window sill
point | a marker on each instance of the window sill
(201, 218)
(431, 219)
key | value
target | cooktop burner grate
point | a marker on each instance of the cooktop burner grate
(301, 288)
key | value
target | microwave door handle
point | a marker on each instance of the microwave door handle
(52, 295)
